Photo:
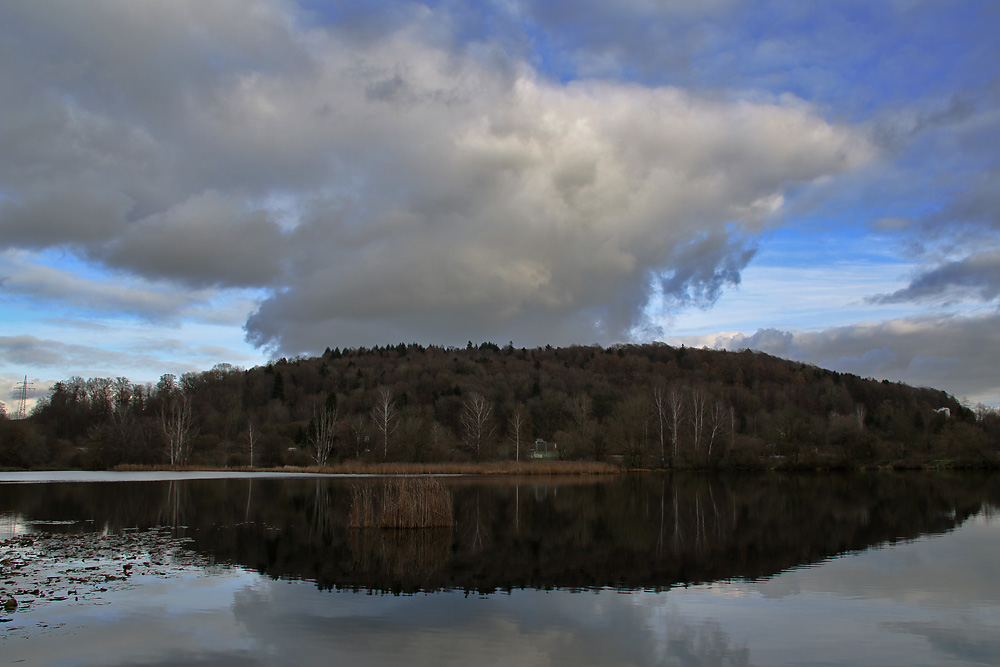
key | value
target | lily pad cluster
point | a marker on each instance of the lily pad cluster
(82, 568)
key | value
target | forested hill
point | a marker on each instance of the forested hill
(641, 405)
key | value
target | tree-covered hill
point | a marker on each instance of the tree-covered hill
(641, 405)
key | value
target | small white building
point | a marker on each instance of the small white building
(541, 450)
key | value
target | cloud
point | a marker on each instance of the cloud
(27, 280)
(205, 240)
(10, 392)
(955, 243)
(31, 282)
(849, 57)
(37, 353)
(428, 189)
(535, 627)
(976, 276)
(953, 353)
(142, 360)
(555, 205)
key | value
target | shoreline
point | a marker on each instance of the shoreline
(496, 469)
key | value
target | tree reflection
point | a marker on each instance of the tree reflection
(702, 644)
(636, 532)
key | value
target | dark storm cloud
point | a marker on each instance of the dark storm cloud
(206, 240)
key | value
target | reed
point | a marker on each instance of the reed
(489, 468)
(362, 468)
(401, 503)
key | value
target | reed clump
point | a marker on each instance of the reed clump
(401, 503)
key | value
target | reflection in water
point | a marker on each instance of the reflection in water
(523, 628)
(643, 532)
(718, 571)
(704, 644)
(10, 525)
(414, 555)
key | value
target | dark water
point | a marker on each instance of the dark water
(774, 569)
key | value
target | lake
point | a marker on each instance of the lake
(203, 568)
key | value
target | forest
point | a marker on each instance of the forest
(651, 406)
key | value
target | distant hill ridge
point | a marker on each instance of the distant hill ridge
(648, 406)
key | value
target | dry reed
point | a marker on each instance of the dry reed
(362, 468)
(401, 503)
(488, 468)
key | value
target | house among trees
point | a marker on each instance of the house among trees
(541, 450)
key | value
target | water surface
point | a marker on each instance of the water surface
(877, 569)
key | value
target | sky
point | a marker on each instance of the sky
(189, 183)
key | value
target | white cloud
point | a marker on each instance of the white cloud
(547, 208)
(405, 173)
(441, 194)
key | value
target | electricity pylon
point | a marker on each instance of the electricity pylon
(22, 400)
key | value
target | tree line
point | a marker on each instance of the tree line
(650, 405)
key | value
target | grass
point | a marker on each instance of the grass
(402, 503)
(358, 468)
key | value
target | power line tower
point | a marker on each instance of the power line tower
(22, 400)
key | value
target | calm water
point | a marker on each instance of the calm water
(876, 569)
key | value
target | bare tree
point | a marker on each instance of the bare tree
(859, 415)
(732, 427)
(675, 405)
(662, 410)
(321, 433)
(579, 408)
(477, 414)
(696, 416)
(717, 415)
(251, 438)
(518, 421)
(178, 426)
(123, 397)
(359, 431)
(630, 427)
(100, 390)
(985, 413)
(384, 417)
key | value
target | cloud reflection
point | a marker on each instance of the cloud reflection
(523, 628)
